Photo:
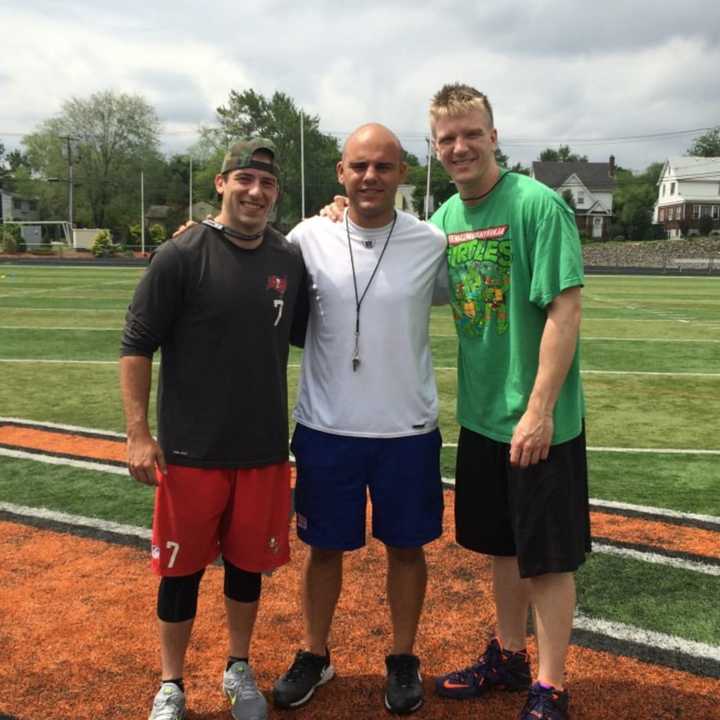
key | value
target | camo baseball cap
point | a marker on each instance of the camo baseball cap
(240, 155)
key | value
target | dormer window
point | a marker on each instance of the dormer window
(580, 197)
(672, 188)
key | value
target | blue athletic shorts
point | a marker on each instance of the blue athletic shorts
(334, 473)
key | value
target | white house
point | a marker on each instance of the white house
(591, 184)
(688, 191)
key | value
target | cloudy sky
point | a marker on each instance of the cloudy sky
(594, 75)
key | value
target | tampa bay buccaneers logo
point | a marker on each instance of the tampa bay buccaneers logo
(278, 283)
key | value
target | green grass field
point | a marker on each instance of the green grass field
(59, 339)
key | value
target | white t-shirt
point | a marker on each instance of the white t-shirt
(392, 393)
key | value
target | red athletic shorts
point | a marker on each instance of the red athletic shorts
(200, 513)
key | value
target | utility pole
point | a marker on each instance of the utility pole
(69, 139)
(142, 212)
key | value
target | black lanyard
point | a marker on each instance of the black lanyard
(359, 299)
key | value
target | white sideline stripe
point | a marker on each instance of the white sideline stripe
(648, 638)
(52, 460)
(60, 426)
(49, 327)
(649, 510)
(647, 451)
(50, 361)
(77, 520)
(657, 559)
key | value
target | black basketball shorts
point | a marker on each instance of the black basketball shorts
(539, 514)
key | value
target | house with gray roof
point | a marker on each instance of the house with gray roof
(591, 185)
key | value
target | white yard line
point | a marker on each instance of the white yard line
(52, 327)
(76, 520)
(639, 373)
(649, 510)
(52, 460)
(658, 559)
(60, 426)
(648, 638)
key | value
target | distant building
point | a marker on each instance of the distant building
(591, 184)
(16, 208)
(688, 192)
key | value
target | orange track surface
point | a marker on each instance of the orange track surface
(78, 637)
(78, 640)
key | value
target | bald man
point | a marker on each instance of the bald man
(367, 410)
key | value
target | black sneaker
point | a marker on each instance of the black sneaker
(298, 684)
(404, 692)
(496, 669)
(546, 704)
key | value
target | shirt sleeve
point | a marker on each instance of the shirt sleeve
(155, 304)
(556, 255)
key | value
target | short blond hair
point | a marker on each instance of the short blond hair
(457, 99)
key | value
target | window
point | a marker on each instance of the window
(33, 205)
(671, 214)
(661, 214)
(662, 191)
(17, 204)
(695, 212)
(715, 212)
(580, 197)
(704, 211)
(672, 188)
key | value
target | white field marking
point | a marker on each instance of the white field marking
(648, 638)
(648, 510)
(77, 520)
(583, 338)
(650, 373)
(641, 373)
(60, 426)
(658, 559)
(59, 362)
(648, 451)
(598, 504)
(52, 460)
(100, 329)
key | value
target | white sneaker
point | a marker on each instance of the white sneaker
(246, 701)
(169, 703)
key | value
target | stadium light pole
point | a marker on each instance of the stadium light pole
(190, 199)
(427, 184)
(302, 165)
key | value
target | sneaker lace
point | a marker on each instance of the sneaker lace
(488, 660)
(303, 662)
(405, 671)
(242, 684)
(540, 703)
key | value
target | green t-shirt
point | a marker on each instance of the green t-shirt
(508, 257)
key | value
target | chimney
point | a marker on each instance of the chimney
(611, 168)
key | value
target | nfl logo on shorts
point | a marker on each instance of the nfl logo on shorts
(301, 521)
(155, 552)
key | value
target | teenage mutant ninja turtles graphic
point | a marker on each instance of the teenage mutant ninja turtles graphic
(480, 280)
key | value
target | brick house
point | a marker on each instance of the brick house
(591, 184)
(688, 191)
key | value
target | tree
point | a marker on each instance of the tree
(109, 138)
(441, 185)
(278, 119)
(707, 144)
(634, 199)
(569, 198)
(562, 154)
